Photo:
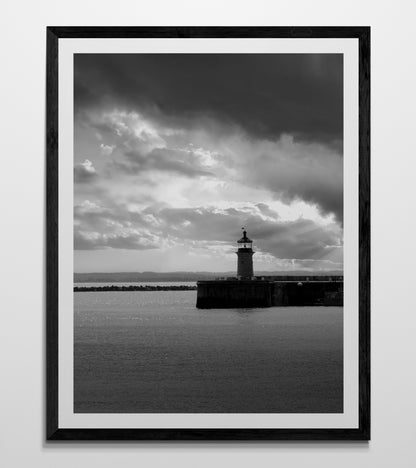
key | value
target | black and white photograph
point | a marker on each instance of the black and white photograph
(208, 233)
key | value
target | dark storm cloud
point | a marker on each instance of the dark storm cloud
(84, 172)
(266, 94)
(266, 210)
(298, 239)
(293, 170)
(162, 160)
(316, 184)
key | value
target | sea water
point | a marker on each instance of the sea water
(141, 352)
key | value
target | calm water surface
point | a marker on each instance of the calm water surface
(138, 352)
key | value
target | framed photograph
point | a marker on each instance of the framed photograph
(208, 233)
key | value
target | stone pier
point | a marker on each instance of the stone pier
(270, 292)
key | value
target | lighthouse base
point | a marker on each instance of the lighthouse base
(299, 291)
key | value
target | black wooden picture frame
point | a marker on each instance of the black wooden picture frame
(53, 431)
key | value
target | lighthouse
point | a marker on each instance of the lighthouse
(247, 291)
(245, 257)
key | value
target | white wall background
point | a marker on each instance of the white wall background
(22, 177)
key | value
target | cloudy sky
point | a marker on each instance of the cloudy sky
(175, 153)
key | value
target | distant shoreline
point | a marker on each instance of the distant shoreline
(133, 288)
(183, 276)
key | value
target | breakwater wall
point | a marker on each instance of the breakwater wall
(265, 292)
(132, 288)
